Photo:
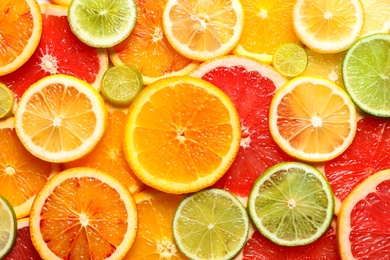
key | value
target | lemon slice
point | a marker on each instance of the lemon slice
(290, 59)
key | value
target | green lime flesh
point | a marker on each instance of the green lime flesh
(6, 101)
(366, 74)
(8, 227)
(291, 204)
(210, 224)
(290, 59)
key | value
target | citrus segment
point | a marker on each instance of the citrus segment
(203, 30)
(60, 118)
(68, 220)
(182, 134)
(291, 204)
(290, 59)
(363, 227)
(8, 227)
(210, 224)
(328, 27)
(376, 17)
(6, 101)
(312, 119)
(20, 32)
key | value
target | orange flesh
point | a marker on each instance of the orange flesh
(88, 228)
(299, 118)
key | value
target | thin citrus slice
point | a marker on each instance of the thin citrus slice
(366, 74)
(363, 227)
(182, 134)
(328, 27)
(290, 59)
(267, 25)
(7, 99)
(108, 154)
(60, 2)
(8, 227)
(312, 119)
(120, 85)
(59, 52)
(104, 23)
(291, 204)
(20, 32)
(154, 240)
(147, 48)
(60, 118)
(22, 175)
(210, 224)
(203, 30)
(376, 17)
(83, 213)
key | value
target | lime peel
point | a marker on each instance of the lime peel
(8, 227)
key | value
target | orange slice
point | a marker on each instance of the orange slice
(182, 134)
(312, 119)
(83, 213)
(147, 48)
(20, 32)
(203, 30)
(60, 118)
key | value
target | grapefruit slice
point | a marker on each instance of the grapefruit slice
(251, 86)
(59, 52)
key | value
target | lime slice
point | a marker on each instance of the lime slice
(366, 74)
(210, 224)
(102, 23)
(6, 101)
(121, 84)
(290, 59)
(8, 227)
(291, 204)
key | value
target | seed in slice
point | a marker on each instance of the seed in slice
(366, 74)
(328, 27)
(376, 17)
(6, 101)
(8, 227)
(210, 224)
(291, 204)
(83, 213)
(182, 134)
(120, 85)
(312, 119)
(102, 23)
(363, 227)
(203, 30)
(290, 59)
(60, 118)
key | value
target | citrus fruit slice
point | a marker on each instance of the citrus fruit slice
(328, 27)
(20, 32)
(363, 226)
(68, 220)
(120, 85)
(366, 74)
(60, 118)
(6, 101)
(290, 59)
(22, 175)
(59, 52)
(154, 240)
(23, 246)
(147, 48)
(291, 204)
(102, 24)
(376, 17)
(182, 134)
(250, 85)
(8, 227)
(59, 2)
(312, 119)
(108, 154)
(210, 224)
(268, 24)
(203, 30)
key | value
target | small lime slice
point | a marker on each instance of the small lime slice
(291, 204)
(102, 23)
(6, 101)
(121, 84)
(210, 224)
(290, 59)
(366, 74)
(8, 227)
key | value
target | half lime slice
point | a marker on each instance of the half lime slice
(291, 204)
(8, 227)
(6, 101)
(290, 59)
